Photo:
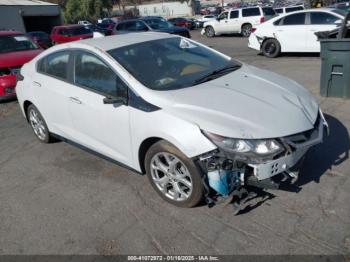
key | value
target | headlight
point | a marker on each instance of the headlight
(257, 146)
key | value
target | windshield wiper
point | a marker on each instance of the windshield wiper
(217, 73)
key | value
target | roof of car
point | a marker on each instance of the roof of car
(9, 32)
(116, 41)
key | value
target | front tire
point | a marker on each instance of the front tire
(174, 176)
(209, 31)
(271, 48)
(38, 125)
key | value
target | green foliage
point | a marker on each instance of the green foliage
(90, 10)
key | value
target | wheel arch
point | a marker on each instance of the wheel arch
(145, 145)
(246, 23)
(26, 104)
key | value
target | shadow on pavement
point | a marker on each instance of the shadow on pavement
(332, 152)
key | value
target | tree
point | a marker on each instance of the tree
(90, 10)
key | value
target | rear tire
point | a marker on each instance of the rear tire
(246, 30)
(271, 48)
(174, 176)
(38, 125)
(209, 31)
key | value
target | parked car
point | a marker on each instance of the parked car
(107, 24)
(69, 33)
(97, 28)
(151, 24)
(239, 20)
(40, 38)
(343, 6)
(294, 32)
(288, 9)
(172, 108)
(86, 23)
(197, 23)
(183, 22)
(16, 49)
(206, 18)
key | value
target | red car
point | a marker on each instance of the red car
(16, 49)
(69, 33)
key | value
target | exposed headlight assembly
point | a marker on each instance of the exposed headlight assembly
(245, 146)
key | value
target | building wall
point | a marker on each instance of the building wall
(168, 9)
(11, 17)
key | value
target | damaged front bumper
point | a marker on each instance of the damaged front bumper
(296, 152)
(226, 173)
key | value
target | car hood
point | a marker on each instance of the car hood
(14, 59)
(247, 103)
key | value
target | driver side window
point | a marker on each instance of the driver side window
(92, 73)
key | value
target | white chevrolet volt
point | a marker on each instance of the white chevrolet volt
(197, 122)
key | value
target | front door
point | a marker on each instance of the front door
(100, 126)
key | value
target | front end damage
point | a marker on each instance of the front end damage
(228, 177)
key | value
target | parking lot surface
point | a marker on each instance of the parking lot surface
(57, 199)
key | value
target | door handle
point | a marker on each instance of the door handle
(36, 84)
(225, 21)
(75, 100)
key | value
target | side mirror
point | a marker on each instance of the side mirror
(338, 22)
(114, 100)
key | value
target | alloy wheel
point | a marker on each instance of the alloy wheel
(171, 176)
(37, 124)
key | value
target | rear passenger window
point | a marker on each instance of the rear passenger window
(320, 18)
(250, 12)
(56, 65)
(295, 19)
(94, 74)
(234, 14)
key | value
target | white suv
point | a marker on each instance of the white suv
(237, 21)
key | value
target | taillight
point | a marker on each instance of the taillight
(253, 30)
(262, 19)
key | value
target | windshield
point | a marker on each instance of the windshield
(158, 24)
(16, 43)
(172, 63)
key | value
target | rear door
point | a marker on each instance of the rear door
(51, 87)
(318, 21)
(101, 127)
(291, 33)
